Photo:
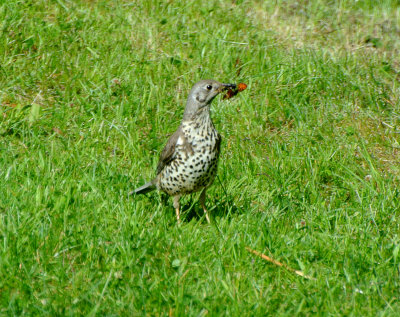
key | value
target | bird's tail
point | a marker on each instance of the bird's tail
(148, 187)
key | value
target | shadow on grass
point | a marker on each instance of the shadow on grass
(191, 209)
(223, 207)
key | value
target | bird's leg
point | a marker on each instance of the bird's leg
(202, 203)
(177, 207)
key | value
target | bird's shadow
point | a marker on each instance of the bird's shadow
(219, 206)
(216, 207)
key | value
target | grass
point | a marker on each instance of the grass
(309, 173)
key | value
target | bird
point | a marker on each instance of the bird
(188, 163)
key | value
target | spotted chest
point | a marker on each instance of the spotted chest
(196, 159)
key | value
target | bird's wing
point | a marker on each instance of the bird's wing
(168, 153)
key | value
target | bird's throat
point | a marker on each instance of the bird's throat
(200, 121)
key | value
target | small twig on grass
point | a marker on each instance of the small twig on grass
(269, 259)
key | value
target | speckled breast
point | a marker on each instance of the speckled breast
(195, 165)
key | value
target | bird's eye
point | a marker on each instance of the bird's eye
(209, 87)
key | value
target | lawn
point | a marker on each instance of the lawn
(309, 171)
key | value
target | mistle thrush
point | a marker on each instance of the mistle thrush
(188, 162)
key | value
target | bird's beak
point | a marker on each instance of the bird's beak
(225, 87)
(228, 86)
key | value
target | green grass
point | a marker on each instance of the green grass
(309, 173)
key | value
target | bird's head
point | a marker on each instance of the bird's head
(202, 94)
